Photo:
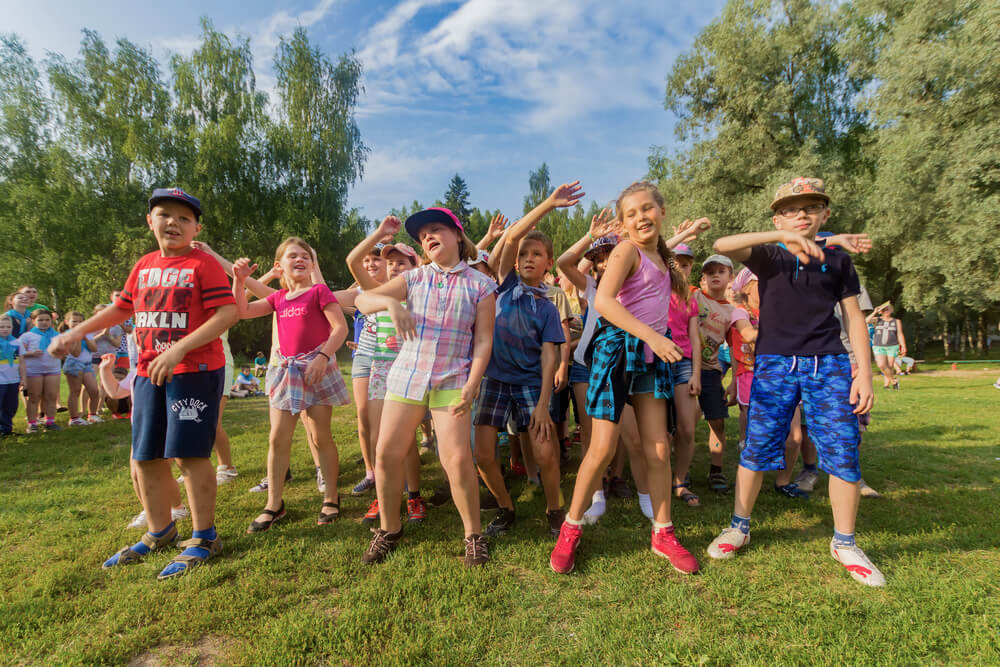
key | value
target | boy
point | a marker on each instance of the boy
(245, 385)
(716, 316)
(800, 356)
(520, 377)
(181, 301)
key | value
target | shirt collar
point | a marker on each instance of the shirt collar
(458, 268)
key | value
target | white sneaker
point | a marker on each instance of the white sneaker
(996, 385)
(807, 480)
(225, 474)
(856, 562)
(179, 513)
(320, 482)
(598, 505)
(180, 478)
(95, 419)
(867, 491)
(728, 543)
(79, 421)
(646, 505)
(260, 487)
(138, 521)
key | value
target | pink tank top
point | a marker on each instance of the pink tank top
(646, 294)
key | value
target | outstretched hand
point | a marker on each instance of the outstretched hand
(567, 194)
(603, 224)
(693, 228)
(389, 226)
(242, 269)
(803, 248)
(856, 243)
(497, 225)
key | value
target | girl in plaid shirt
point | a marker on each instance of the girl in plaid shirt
(447, 333)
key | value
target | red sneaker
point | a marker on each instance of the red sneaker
(371, 516)
(519, 469)
(563, 557)
(665, 544)
(416, 510)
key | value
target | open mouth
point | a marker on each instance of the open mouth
(643, 227)
(433, 245)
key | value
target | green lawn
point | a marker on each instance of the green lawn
(299, 594)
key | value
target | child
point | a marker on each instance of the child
(79, 373)
(716, 316)
(40, 370)
(17, 304)
(182, 303)
(260, 365)
(10, 375)
(631, 350)
(398, 259)
(741, 344)
(800, 356)
(520, 377)
(108, 342)
(245, 384)
(311, 328)
(447, 338)
(887, 344)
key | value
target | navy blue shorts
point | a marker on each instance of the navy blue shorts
(579, 373)
(823, 384)
(713, 397)
(178, 419)
(499, 399)
(559, 406)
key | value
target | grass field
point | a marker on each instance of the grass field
(299, 594)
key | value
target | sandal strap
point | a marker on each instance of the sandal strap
(155, 543)
(274, 512)
(333, 505)
(683, 485)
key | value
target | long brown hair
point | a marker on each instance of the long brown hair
(678, 283)
(291, 240)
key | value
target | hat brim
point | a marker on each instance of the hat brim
(594, 252)
(426, 217)
(180, 200)
(777, 203)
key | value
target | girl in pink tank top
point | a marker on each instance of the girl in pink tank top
(631, 351)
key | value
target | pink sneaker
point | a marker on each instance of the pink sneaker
(664, 543)
(563, 557)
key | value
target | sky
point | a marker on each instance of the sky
(487, 89)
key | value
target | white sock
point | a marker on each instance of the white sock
(598, 505)
(646, 505)
(657, 527)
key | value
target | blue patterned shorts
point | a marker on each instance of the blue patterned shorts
(499, 399)
(823, 384)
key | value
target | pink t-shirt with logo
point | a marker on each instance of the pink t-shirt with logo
(302, 326)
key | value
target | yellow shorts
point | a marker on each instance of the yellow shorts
(433, 398)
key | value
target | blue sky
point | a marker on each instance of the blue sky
(488, 89)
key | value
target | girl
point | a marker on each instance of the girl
(10, 376)
(741, 345)
(311, 328)
(887, 344)
(79, 373)
(40, 371)
(17, 304)
(397, 258)
(447, 340)
(631, 351)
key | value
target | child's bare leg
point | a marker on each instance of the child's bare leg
(618, 462)
(603, 442)
(793, 443)
(747, 489)
(516, 455)
(317, 422)
(74, 385)
(651, 418)
(399, 421)
(489, 467)
(527, 455)
(154, 486)
(199, 481)
(413, 467)
(716, 440)
(744, 410)
(453, 443)
(546, 455)
(686, 407)
(31, 403)
(580, 392)
(50, 394)
(365, 440)
(630, 442)
(91, 401)
(222, 450)
(278, 454)
(844, 499)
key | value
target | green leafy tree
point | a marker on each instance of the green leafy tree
(456, 198)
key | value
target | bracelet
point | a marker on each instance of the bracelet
(324, 354)
(592, 237)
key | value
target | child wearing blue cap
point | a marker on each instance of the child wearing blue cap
(181, 302)
(800, 357)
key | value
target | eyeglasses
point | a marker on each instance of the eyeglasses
(812, 209)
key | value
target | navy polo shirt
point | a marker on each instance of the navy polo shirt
(797, 300)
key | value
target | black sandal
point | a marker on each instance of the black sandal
(261, 526)
(686, 496)
(325, 519)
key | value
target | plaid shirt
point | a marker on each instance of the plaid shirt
(615, 357)
(288, 390)
(443, 304)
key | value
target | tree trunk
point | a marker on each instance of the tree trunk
(961, 340)
(946, 339)
(968, 335)
(981, 334)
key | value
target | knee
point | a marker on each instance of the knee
(484, 455)
(544, 455)
(389, 456)
(658, 452)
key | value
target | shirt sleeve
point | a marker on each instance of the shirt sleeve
(324, 296)
(214, 283)
(272, 299)
(737, 315)
(127, 295)
(552, 331)
(561, 303)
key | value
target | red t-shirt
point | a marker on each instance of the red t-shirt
(170, 297)
(743, 353)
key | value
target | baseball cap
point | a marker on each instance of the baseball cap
(429, 215)
(799, 187)
(605, 242)
(683, 250)
(402, 249)
(175, 194)
(482, 257)
(718, 259)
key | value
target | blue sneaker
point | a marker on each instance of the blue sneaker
(792, 491)
(364, 486)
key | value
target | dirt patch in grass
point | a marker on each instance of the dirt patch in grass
(208, 650)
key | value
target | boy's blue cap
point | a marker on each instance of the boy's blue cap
(175, 194)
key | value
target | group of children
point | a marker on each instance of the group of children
(474, 340)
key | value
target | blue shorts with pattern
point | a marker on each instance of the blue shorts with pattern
(823, 384)
(498, 399)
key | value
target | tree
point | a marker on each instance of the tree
(456, 198)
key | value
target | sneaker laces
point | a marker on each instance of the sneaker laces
(380, 543)
(475, 547)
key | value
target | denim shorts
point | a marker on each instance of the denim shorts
(361, 367)
(77, 368)
(682, 371)
(579, 373)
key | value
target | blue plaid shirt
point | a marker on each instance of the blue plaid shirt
(615, 357)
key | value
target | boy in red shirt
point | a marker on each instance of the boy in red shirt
(181, 302)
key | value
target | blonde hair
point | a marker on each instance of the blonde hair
(290, 241)
(6, 317)
(678, 283)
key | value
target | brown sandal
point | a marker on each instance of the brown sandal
(126, 556)
(326, 518)
(189, 561)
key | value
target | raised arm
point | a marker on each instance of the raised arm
(161, 369)
(493, 232)
(567, 194)
(105, 317)
(386, 229)
(258, 288)
(600, 225)
(688, 231)
(244, 310)
(737, 247)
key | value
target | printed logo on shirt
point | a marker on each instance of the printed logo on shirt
(153, 320)
(293, 311)
(169, 277)
(188, 409)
